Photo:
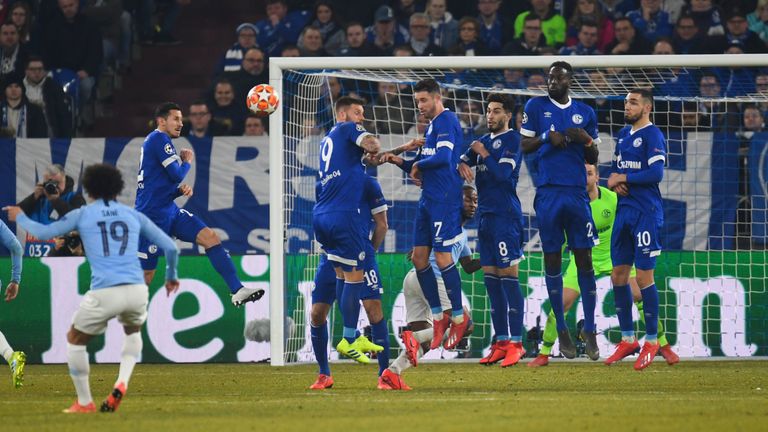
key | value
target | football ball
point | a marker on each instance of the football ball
(263, 100)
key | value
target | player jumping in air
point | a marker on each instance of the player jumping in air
(603, 203)
(562, 134)
(418, 312)
(110, 234)
(161, 171)
(497, 157)
(438, 222)
(339, 226)
(16, 359)
(641, 151)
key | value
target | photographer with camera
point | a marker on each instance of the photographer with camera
(53, 198)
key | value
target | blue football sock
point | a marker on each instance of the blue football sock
(498, 307)
(428, 283)
(651, 311)
(222, 263)
(350, 308)
(511, 286)
(588, 298)
(554, 280)
(380, 336)
(339, 290)
(452, 280)
(320, 346)
(622, 297)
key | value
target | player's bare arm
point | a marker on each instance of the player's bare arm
(371, 144)
(591, 154)
(469, 264)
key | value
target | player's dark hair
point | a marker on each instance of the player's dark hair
(103, 181)
(645, 93)
(505, 100)
(165, 108)
(427, 85)
(562, 65)
(347, 101)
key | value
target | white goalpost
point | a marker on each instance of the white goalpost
(711, 276)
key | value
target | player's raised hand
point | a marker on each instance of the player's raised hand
(578, 135)
(171, 286)
(11, 291)
(13, 212)
(622, 189)
(557, 139)
(466, 172)
(416, 175)
(413, 144)
(185, 190)
(390, 158)
(616, 179)
(187, 155)
(479, 148)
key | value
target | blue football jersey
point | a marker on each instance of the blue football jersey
(636, 151)
(160, 172)
(497, 176)
(459, 250)
(341, 172)
(372, 203)
(110, 235)
(562, 167)
(442, 183)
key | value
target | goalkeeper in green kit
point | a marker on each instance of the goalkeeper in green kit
(603, 203)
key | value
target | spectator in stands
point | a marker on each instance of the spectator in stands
(589, 10)
(532, 40)
(20, 14)
(536, 81)
(251, 73)
(357, 45)
(200, 124)
(280, 27)
(233, 58)
(49, 96)
(386, 33)
(650, 21)
(311, 42)
(115, 26)
(419, 128)
(148, 35)
(420, 41)
(627, 41)
(390, 111)
(737, 32)
(615, 9)
(495, 31)
(753, 121)
(405, 8)
(711, 112)
(72, 41)
(403, 51)
(469, 43)
(761, 88)
(758, 20)
(254, 126)
(687, 39)
(225, 109)
(445, 29)
(677, 83)
(472, 119)
(673, 8)
(13, 55)
(511, 79)
(587, 44)
(290, 51)
(23, 119)
(707, 17)
(44, 201)
(552, 24)
(324, 18)
(739, 81)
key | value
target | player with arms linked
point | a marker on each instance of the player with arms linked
(110, 233)
(561, 133)
(497, 157)
(438, 222)
(161, 171)
(337, 221)
(641, 151)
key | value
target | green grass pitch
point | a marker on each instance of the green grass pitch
(692, 396)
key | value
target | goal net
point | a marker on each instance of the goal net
(711, 275)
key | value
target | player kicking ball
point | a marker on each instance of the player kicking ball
(161, 172)
(640, 154)
(110, 234)
(438, 220)
(497, 157)
(603, 204)
(418, 313)
(560, 134)
(16, 359)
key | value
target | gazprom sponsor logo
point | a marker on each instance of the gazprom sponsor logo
(629, 164)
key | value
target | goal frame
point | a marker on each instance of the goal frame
(278, 65)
